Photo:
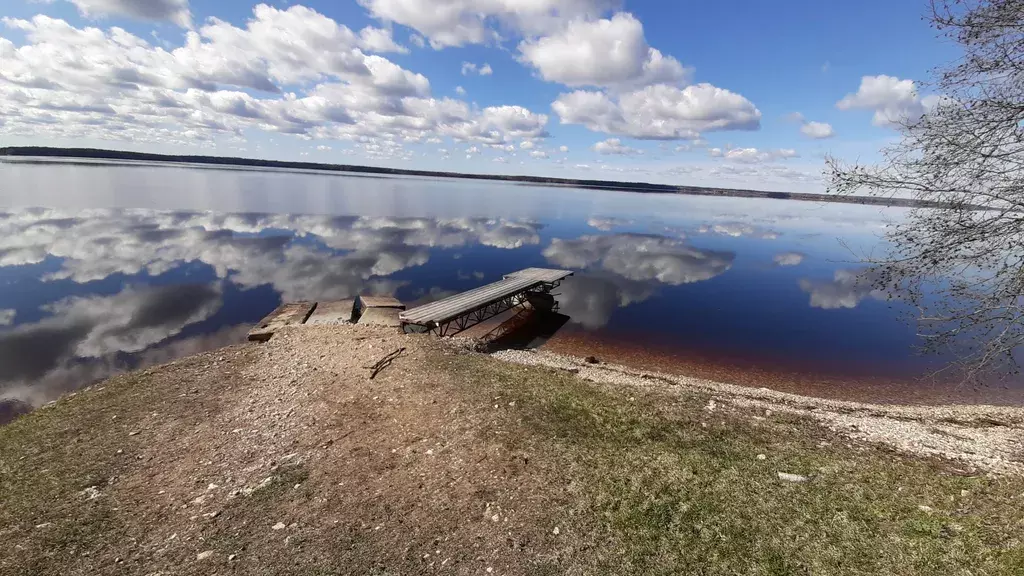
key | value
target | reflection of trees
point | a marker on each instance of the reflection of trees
(629, 269)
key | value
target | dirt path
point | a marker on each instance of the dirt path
(287, 458)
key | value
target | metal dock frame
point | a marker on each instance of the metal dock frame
(461, 311)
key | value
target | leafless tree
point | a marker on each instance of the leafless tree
(962, 268)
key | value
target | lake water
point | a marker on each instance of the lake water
(104, 268)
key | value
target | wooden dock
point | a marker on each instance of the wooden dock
(460, 311)
(525, 289)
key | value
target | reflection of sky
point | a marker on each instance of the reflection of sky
(128, 266)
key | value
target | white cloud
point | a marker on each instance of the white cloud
(660, 111)
(606, 224)
(846, 290)
(323, 148)
(469, 68)
(379, 40)
(417, 41)
(641, 258)
(738, 229)
(817, 130)
(175, 11)
(526, 145)
(459, 22)
(293, 71)
(460, 90)
(615, 146)
(538, 154)
(892, 100)
(7, 316)
(607, 53)
(753, 155)
(788, 259)
(563, 149)
(795, 117)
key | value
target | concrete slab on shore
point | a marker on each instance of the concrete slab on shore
(381, 317)
(290, 314)
(335, 312)
(379, 302)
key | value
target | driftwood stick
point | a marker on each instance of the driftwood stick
(384, 362)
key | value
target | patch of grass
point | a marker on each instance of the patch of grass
(669, 487)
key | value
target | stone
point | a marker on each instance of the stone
(556, 531)
(786, 477)
(762, 457)
(591, 360)
(204, 555)
(925, 509)
(278, 526)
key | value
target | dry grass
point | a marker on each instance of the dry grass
(454, 463)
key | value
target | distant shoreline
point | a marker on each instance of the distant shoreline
(16, 152)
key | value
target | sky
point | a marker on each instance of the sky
(742, 94)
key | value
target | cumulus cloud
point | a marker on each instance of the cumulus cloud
(563, 149)
(538, 154)
(641, 258)
(847, 289)
(379, 40)
(659, 112)
(590, 299)
(7, 316)
(604, 53)
(894, 101)
(97, 326)
(817, 130)
(461, 22)
(615, 146)
(789, 259)
(293, 71)
(753, 155)
(738, 229)
(606, 224)
(469, 68)
(460, 90)
(175, 11)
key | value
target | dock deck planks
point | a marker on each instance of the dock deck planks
(460, 304)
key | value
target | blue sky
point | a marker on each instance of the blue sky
(741, 94)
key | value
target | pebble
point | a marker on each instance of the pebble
(925, 509)
(786, 477)
(204, 555)
(762, 457)
(232, 557)
(278, 526)
(556, 531)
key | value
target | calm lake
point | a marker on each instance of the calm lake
(108, 267)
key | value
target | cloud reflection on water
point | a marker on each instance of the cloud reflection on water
(629, 267)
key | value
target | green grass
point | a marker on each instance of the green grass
(638, 482)
(667, 487)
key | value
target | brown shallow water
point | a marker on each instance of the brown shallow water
(782, 375)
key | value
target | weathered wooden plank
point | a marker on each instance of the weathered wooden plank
(336, 312)
(289, 314)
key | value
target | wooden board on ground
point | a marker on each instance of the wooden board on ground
(381, 317)
(290, 314)
(336, 312)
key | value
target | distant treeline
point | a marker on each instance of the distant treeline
(95, 153)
